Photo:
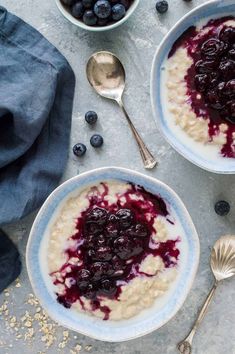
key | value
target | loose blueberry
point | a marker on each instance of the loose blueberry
(108, 287)
(77, 9)
(162, 6)
(89, 18)
(79, 149)
(68, 2)
(222, 208)
(91, 117)
(88, 3)
(102, 9)
(96, 140)
(118, 12)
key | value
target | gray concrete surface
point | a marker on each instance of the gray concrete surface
(135, 43)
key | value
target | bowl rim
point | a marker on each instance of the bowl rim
(153, 91)
(33, 232)
(82, 25)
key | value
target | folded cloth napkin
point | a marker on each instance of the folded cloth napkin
(36, 98)
(10, 264)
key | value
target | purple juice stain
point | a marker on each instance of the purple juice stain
(112, 241)
(211, 78)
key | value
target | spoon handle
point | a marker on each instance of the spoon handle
(147, 157)
(185, 347)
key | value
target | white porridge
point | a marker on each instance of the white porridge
(199, 84)
(113, 249)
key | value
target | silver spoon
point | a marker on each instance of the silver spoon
(106, 75)
(223, 267)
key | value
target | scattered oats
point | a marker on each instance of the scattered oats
(62, 344)
(18, 285)
(7, 294)
(66, 334)
(38, 309)
(78, 348)
(28, 324)
(88, 348)
(19, 336)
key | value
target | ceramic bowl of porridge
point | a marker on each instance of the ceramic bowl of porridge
(112, 254)
(193, 86)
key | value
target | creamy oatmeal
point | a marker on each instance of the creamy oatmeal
(112, 251)
(200, 84)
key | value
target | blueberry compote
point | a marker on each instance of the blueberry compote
(112, 239)
(211, 78)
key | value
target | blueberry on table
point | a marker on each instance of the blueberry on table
(96, 140)
(79, 149)
(78, 10)
(162, 6)
(91, 117)
(10, 264)
(102, 9)
(222, 208)
(89, 18)
(118, 12)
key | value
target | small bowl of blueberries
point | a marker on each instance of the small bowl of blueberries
(97, 15)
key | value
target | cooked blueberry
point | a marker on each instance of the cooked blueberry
(123, 247)
(162, 6)
(62, 300)
(212, 48)
(137, 247)
(108, 287)
(103, 253)
(96, 140)
(213, 100)
(102, 9)
(10, 264)
(93, 229)
(222, 208)
(101, 240)
(125, 217)
(205, 66)
(79, 149)
(90, 241)
(91, 117)
(89, 292)
(232, 53)
(89, 18)
(229, 88)
(83, 278)
(88, 3)
(77, 9)
(97, 215)
(139, 230)
(101, 269)
(227, 34)
(112, 227)
(227, 68)
(201, 82)
(118, 12)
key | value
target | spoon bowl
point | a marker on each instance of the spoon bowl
(106, 75)
(222, 263)
(223, 258)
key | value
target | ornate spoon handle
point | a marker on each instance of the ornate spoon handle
(185, 347)
(147, 157)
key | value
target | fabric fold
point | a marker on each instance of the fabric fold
(36, 98)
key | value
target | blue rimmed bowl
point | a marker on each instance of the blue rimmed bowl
(148, 320)
(205, 157)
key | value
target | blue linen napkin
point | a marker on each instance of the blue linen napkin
(36, 98)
